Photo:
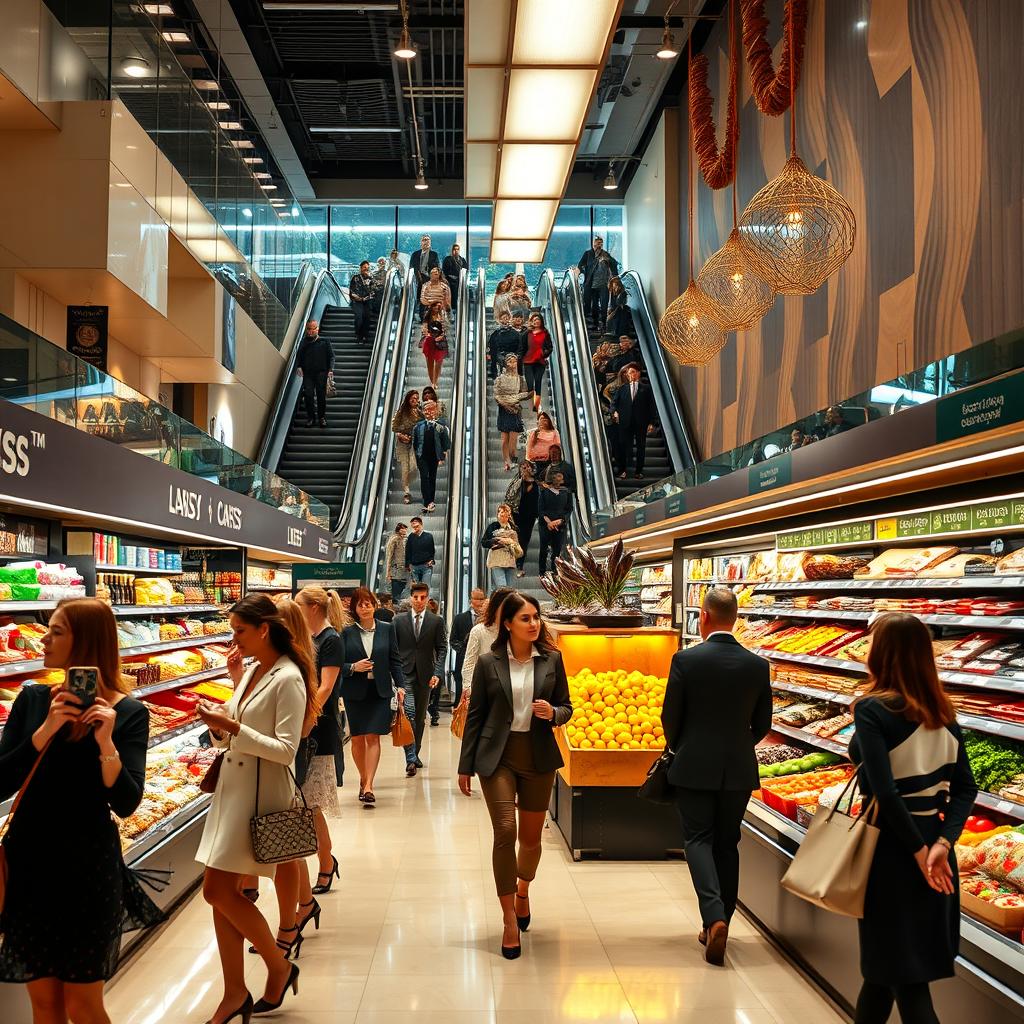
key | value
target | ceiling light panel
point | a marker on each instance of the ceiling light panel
(487, 26)
(549, 104)
(516, 250)
(534, 171)
(481, 164)
(570, 33)
(486, 86)
(524, 218)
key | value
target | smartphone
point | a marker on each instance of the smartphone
(83, 682)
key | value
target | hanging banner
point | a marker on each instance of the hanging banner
(87, 334)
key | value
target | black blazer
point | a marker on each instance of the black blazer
(425, 657)
(489, 720)
(718, 706)
(459, 636)
(640, 411)
(387, 663)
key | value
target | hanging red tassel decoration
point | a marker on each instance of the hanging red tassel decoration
(717, 166)
(773, 88)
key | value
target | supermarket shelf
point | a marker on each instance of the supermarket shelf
(179, 681)
(726, 583)
(136, 570)
(13, 607)
(972, 621)
(810, 659)
(959, 583)
(166, 827)
(173, 645)
(814, 741)
(194, 725)
(998, 803)
(127, 610)
(261, 589)
(1002, 684)
(993, 726)
(816, 692)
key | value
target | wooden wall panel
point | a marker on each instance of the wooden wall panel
(918, 121)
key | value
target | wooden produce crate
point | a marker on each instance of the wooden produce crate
(604, 767)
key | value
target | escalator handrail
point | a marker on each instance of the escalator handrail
(374, 443)
(279, 419)
(460, 467)
(670, 408)
(478, 512)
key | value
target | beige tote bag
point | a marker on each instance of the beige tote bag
(831, 867)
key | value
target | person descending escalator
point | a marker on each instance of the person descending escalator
(315, 365)
(452, 266)
(504, 341)
(360, 291)
(598, 267)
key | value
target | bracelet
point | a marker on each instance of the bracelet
(944, 842)
(107, 758)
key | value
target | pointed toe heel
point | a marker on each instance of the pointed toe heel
(266, 1006)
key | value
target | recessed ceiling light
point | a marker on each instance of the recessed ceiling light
(264, 175)
(284, 213)
(230, 126)
(176, 36)
(158, 8)
(123, 184)
(206, 84)
(242, 144)
(268, 188)
(219, 105)
(135, 67)
(10, 380)
(862, 24)
(252, 159)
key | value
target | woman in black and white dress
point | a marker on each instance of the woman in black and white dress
(914, 764)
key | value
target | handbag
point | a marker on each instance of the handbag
(208, 784)
(10, 818)
(304, 759)
(282, 835)
(656, 788)
(332, 391)
(401, 729)
(831, 867)
(459, 717)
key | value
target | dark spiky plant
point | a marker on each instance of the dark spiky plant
(601, 580)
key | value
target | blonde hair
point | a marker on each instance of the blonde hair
(291, 614)
(329, 604)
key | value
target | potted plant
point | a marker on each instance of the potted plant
(592, 588)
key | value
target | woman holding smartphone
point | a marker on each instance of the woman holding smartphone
(88, 763)
(260, 726)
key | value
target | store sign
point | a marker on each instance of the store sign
(985, 407)
(344, 576)
(766, 476)
(639, 516)
(57, 467)
(675, 504)
(827, 536)
(87, 334)
(994, 515)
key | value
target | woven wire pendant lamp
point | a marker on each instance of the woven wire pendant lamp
(798, 230)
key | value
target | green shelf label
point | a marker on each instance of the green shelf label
(993, 515)
(827, 536)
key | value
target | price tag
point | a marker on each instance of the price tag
(1005, 807)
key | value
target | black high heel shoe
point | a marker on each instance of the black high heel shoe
(320, 888)
(523, 919)
(252, 895)
(512, 952)
(313, 915)
(244, 1011)
(288, 947)
(265, 1006)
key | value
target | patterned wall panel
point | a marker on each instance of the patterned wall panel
(917, 118)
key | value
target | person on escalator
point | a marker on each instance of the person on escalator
(431, 441)
(619, 319)
(501, 542)
(509, 392)
(554, 505)
(539, 442)
(557, 464)
(502, 296)
(420, 552)
(627, 354)
(535, 357)
(434, 339)
(521, 496)
(360, 293)
(453, 265)
(315, 365)
(520, 300)
(598, 267)
(632, 413)
(436, 291)
(396, 563)
(503, 342)
(423, 261)
(429, 394)
(402, 423)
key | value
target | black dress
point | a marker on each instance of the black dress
(910, 934)
(69, 895)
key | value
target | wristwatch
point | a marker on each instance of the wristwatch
(945, 842)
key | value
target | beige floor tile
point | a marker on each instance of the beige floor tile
(723, 989)
(412, 993)
(575, 1000)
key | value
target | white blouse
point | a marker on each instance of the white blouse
(522, 690)
(366, 635)
(480, 639)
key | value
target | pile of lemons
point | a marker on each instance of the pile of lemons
(616, 710)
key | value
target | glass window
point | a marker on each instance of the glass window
(446, 225)
(610, 224)
(360, 233)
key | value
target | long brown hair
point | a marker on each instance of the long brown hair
(902, 672)
(405, 409)
(94, 640)
(291, 641)
(510, 608)
(494, 603)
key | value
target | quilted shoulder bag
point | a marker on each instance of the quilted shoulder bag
(282, 835)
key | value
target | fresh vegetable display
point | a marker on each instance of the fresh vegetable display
(995, 762)
(797, 766)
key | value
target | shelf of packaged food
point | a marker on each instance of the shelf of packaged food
(969, 621)
(13, 607)
(192, 725)
(260, 588)
(165, 827)
(1013, 808)
(811, 659)
(815, 691)
(993, 726)
(135, 570)
(179, 681)
(959, 583)
(816, 741)
(726, 583)
(127, 610)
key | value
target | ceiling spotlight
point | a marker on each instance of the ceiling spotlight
(406, 49)
(421, 179)
(610, 181)
(668, 49)
(135, 67)
(247, 212)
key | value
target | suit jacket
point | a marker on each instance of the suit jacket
(387, 663)
(588, 261)
(459, 636)
(489, 720)
(442, 440)
(425, 657)
(423, 265)
(640, 410)
(359, 290)
(718, 706)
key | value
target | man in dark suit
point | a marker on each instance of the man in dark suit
(718, 706)
(632, 412)
(459, 636)
(598, 267)
(423, 647)
(360, 293)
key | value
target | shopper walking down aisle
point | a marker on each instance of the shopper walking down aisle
(315, 364)
(402, 424)
(458, 636)
(632, 413)
(516, 756)
(718, 706)
(360, 293)
(598, 267)
(259, 731)
(913, 762)
(540, 441)
(452, 266)
(509, 392)
(371, 677)
(554, 505)
(75, 765)
(423, 648)
(501, 542)
(396, 570)
(522, 496)
(431, 441)
(420, 552)
(434, 339)
(482, 635)
(535, 358)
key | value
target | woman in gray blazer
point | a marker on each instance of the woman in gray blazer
(519, 695)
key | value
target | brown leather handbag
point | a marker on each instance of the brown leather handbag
(401, 730)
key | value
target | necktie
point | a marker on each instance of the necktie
(632, 389)
(418, 623)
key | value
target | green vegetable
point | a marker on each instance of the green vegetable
(994, 761)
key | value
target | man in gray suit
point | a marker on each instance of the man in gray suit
(423, 646)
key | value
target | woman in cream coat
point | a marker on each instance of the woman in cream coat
(261, 724)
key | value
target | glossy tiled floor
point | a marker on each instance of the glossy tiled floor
(411, 934)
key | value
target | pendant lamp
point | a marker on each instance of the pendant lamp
(798, 229)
